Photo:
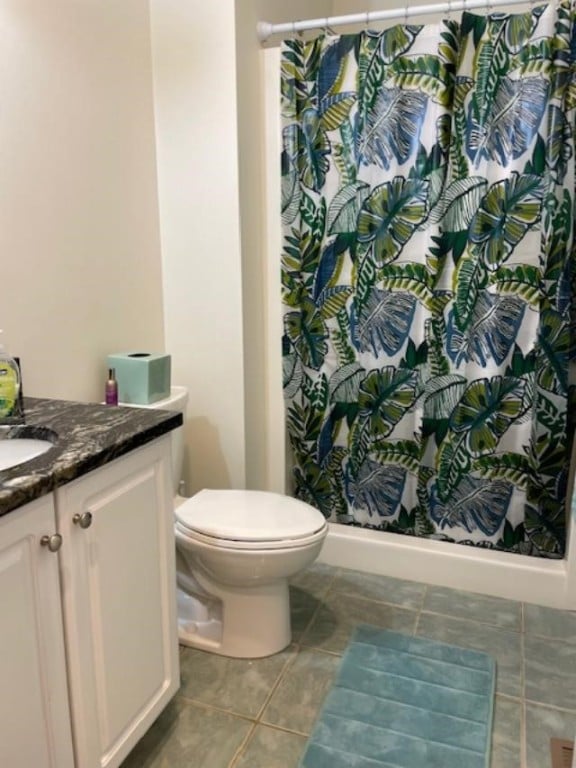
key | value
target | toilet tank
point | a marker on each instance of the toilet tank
(176, 401)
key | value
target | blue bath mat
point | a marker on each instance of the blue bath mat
(405, 702)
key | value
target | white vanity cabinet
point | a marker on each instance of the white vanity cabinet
(119, 600)
(34, 713)
(88, 631)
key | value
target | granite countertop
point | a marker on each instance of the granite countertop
(85, 436)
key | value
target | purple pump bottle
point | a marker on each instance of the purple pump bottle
(111, 388)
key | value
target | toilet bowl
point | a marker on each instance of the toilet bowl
(235, 551)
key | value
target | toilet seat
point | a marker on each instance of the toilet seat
(252, 545)
(249, 520)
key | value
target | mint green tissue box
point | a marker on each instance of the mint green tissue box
(143, 377)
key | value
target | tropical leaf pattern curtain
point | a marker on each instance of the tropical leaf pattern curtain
(428, 217)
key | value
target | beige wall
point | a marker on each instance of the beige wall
(342, 7)
(196, 123)
(210, 135)
(79, 234)
(81, 271)
(254, 191)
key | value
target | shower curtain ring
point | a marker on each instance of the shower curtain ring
(449, 12)
(327, 28)
(367, 22)
(406, 13)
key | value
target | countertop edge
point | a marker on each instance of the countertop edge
(90, 436)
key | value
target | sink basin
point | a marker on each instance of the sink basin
(17, 450)
(22, 442)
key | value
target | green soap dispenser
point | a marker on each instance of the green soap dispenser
(9, 388)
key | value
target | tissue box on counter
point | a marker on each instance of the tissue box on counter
(143, 377)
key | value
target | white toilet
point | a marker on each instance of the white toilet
(235, 552)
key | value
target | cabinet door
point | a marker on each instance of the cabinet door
(34, 713)
(118, 579)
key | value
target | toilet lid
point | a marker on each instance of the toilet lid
(249, 516)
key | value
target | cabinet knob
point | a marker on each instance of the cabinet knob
(84, 520)
(53, 542)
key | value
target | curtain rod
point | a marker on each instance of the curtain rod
(266, 30)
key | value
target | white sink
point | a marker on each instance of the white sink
(17, 450)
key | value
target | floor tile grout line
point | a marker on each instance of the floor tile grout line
(421, 609)
(311, 620)
(428, 612)
(245, 741)
(424, 596)
(336, 573)
(247, 726)
(473, 620)
(509, 697)
(333, 578)
(318, 707)
(246, 718)
(317, 608)
(523, 731)
(377, 601)
(289, 663)
(214, 708)
(297, 647)
(318, 649)
(552, 707)
(520, 630)
(451, 615)
(256, 718)
(330, 588)
(419, 612)
(284, 729)
(523, 746)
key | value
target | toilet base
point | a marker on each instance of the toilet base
(241, 623)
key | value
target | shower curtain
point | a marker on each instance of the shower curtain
(428, 217)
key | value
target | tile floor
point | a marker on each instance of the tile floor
(232, 713)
